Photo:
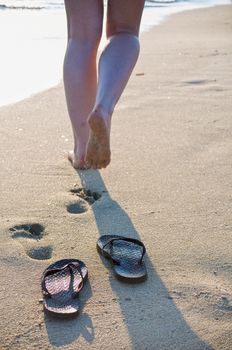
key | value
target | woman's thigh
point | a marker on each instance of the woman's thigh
(124, 16)
(84, 18)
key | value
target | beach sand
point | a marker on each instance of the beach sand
(169, 184)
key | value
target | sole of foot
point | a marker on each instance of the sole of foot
(98, 150)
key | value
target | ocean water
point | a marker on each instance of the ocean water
(33, 41)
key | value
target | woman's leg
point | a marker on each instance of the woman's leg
(115, 66)
(84, 20)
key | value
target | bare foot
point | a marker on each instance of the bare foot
(77, 161)
(98, 149)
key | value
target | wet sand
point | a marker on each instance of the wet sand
(169, 184)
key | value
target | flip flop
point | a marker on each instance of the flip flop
(126, 255)
(61, 283)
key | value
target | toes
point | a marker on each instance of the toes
(76, 162)
(87, 166)
(81, 164)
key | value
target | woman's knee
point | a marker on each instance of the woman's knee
(124, 16)
(87, 36)
(84, 20)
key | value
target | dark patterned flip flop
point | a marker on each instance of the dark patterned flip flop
(61, 283)
(126, 255)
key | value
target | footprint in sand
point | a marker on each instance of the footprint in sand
(28, 233)
(86, 198)
(40, 253)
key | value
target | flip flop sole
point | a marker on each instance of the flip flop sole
(61, 286)
(127, 254)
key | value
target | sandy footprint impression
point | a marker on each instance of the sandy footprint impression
(86, 198)
(29, 235)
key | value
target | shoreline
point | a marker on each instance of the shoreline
(167, 185)
(151, 18)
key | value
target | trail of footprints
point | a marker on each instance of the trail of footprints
(34, 232)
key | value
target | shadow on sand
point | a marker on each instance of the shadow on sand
(149, 313)
(62, 332)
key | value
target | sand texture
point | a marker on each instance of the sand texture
(169, 184)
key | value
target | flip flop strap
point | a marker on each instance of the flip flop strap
(50, 272)
(127, 239)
